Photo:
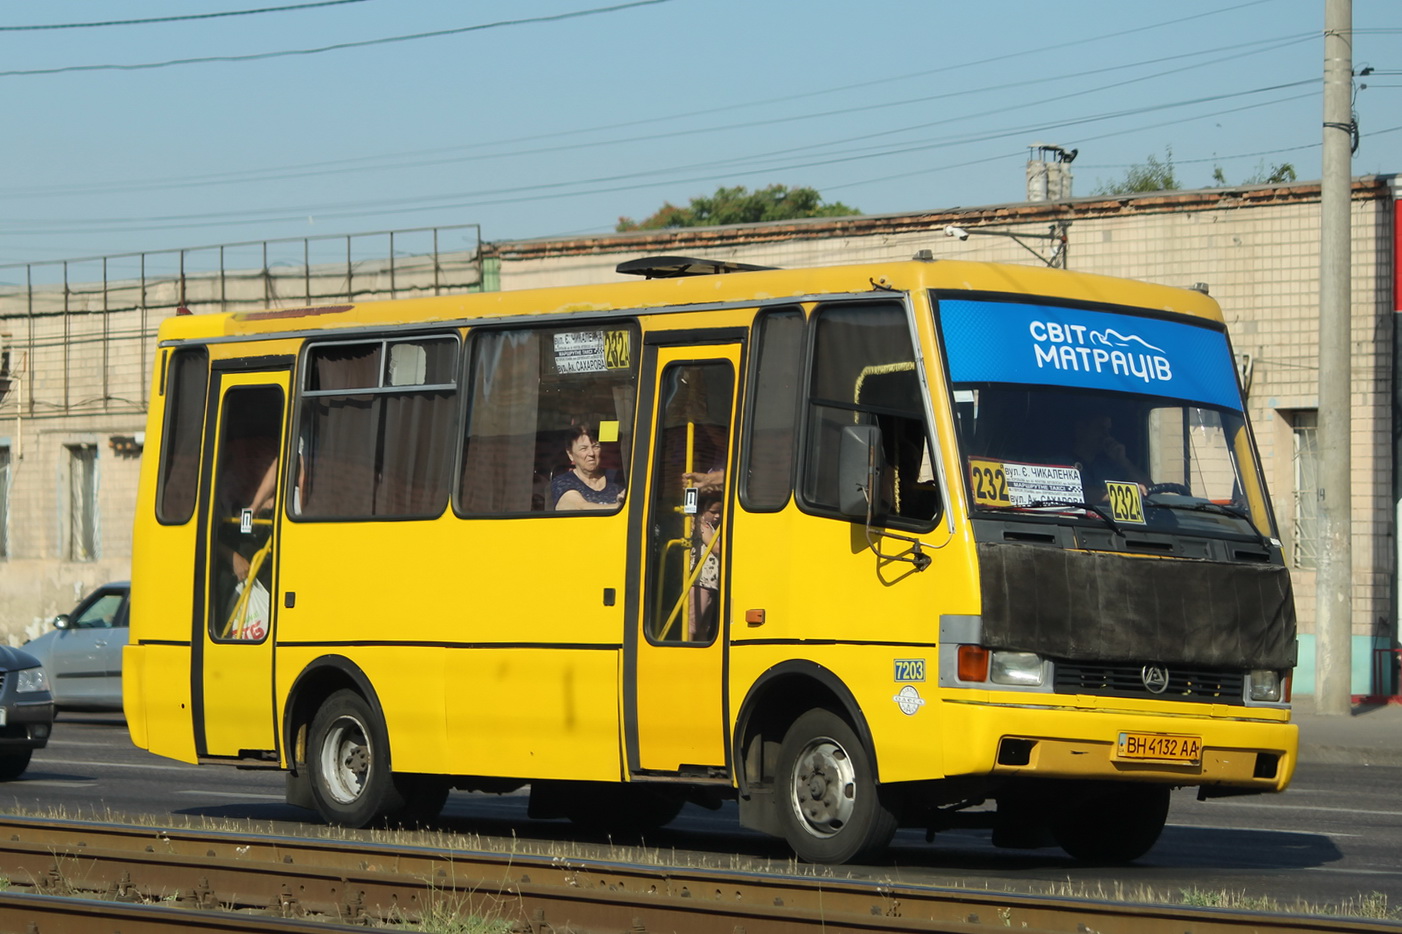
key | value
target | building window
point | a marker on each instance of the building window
(82, 502)
(1305, 543)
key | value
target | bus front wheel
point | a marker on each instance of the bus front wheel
(830, 806)
(348, 757)
(1111, 823)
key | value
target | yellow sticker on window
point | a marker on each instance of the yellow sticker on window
(617, 351)
(989, 482)
(1125, 502)
(608, 431)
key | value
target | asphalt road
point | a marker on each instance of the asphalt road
(1332, 838)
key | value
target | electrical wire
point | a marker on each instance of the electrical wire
(339, 46)
(179, 18)
(621, 182)
(342, 167)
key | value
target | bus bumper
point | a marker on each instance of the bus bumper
(1217, 748)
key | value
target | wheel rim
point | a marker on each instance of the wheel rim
(346, 760)
(822, 789)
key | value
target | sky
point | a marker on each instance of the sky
(544, 118)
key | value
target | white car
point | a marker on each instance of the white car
(82, 656)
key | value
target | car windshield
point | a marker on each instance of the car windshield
(1107, 417)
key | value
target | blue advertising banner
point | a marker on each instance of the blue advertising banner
(1014, 342)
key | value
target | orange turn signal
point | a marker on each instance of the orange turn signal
(973, 663)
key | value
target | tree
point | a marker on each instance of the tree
(740, 206)
(1150, 175)
(1282, 174)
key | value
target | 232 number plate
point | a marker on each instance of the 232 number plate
(1160, 746)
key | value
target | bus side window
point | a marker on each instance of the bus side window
(536, 395)
(375, 427)
(864, 372)
(772, 428)
(187, 384)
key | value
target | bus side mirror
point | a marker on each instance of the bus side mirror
(861, 464)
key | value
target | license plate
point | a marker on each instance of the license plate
(1160, 746)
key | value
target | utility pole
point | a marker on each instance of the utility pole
(1334, 587)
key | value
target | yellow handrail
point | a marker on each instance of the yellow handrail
(240, 611)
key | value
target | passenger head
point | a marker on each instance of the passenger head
(1090, 433)
(708, 507)
(582, 449)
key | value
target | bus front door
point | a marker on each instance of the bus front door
(234, 667)
(675, 652)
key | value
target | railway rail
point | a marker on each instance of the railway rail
(80, 877)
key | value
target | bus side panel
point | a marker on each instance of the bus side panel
(156, 695)
(474, 637)
(538, 713)
(407, 683)
(379, 594)
(163, 576)
(534, 688)
(871, 613)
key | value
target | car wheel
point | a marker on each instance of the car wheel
(13, 764)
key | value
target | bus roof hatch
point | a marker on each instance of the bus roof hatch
(669, 267)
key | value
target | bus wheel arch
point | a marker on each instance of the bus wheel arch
(783, 707)
(317, 682)
(338, 745)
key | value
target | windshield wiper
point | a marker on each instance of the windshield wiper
(1221, 509)
(1078, 504)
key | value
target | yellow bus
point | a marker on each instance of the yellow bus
(858, 547)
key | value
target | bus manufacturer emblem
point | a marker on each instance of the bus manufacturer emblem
(909, 700)
(1155, 678)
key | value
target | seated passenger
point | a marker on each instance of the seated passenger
(585, 485)
(1101, 457)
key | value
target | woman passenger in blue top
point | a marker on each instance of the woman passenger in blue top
(585, 485)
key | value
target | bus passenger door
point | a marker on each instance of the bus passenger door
(233, 671)
(674, 660)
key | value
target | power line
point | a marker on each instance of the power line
(175, 19)
(620, 182)
(342, 166)
(340, 46)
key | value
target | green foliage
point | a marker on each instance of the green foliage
(1151, 175)
(1282, 174)
(740, 206)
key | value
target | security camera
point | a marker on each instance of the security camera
(959, 232)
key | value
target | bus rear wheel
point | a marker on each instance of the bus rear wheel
(1111, 823)
(348, 758)
(830, 806)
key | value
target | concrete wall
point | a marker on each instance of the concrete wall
(80, 374)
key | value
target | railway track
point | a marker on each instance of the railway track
(79, 877)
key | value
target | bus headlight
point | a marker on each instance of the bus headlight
(1024, 669)
(1264, 685)
(29, 680)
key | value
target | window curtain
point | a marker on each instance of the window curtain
(499, 452)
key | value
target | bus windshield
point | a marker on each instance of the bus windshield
(1114, 417)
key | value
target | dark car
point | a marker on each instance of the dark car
(82, 655)
(26, 710)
